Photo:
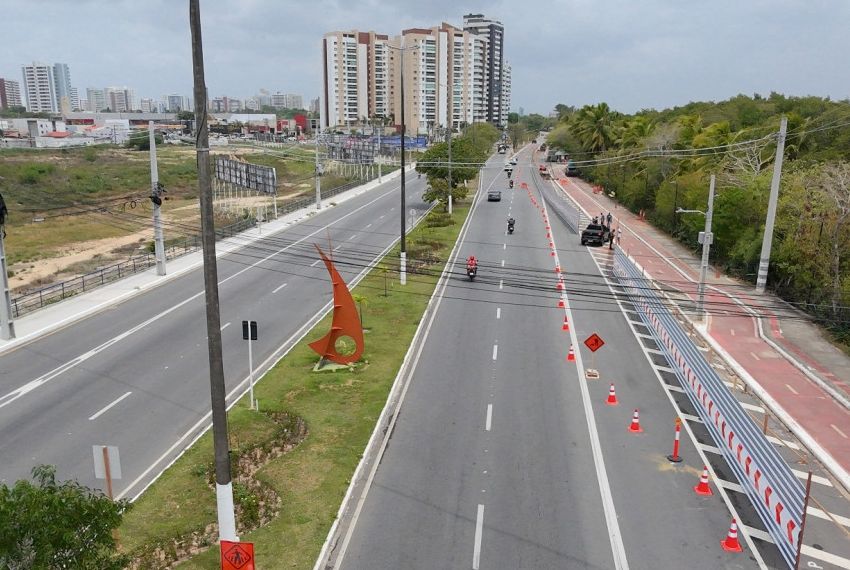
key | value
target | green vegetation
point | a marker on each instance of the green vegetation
(339, 410)
(810, 263)
(471, 148)
(47, 524)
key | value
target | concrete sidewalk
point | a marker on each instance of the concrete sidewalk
(53, 317)
(786, 355)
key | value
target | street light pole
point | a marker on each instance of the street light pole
(706, 244)
(223, 482)
(403, 249)
(450, 168)
(767, 239)
(156, 196)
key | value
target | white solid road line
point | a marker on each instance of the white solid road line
(315, 263)
(279, 287)
(352, 237)
(815, 478)
(368, 226)
(503, 263)
(489, 421)
(108, 406)
(807, 550)
(498, 312)
(495, 351)
(225, 325)
(479, 528)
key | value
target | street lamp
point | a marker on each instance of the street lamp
(403, 248)
(705, 238)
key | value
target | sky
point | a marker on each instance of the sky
(631, 54)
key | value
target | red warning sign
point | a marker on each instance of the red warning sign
(237, 555)
(594, 342)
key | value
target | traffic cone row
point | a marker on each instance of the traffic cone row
(566, 325)
(571, 355)
(612, 397)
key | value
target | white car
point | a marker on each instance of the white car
(514, 161)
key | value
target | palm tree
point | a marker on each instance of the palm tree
(635, 131)
(593, 127)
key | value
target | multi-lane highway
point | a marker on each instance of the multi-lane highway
(503, 454)
(135, 375)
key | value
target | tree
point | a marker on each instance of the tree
(593, 127)
(185, 115)
(53, 525)
(513, 118)
(516, 133)
(438, 189)
(834, 182)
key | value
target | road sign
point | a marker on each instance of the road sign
(249, 333)
(100, 459)
(237, 555)
(253, 327)
(594, 342)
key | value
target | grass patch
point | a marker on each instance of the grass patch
(339, 409)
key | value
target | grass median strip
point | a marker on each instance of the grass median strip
(307, 439)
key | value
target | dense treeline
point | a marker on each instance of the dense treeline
(811, 247)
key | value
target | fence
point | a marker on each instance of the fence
(776, 494)
(57, 292)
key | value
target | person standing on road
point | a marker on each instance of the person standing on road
(610, 239)
(619, 234)
(609, 218)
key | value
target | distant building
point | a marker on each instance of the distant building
(494, 32)
(506, 94)
(314, 105)
(75, 100)
(294, 101)
(10, 94)
(62, 83)
(120, 99)
(96, 100)
(252, 104)
(176, 103)
(39, 88)
(147, 105)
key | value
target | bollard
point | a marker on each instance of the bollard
(675, 457)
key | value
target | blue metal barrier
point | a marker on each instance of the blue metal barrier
(777, 495)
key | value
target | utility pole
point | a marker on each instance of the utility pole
(450, 168)
(156, 198)
(403, 250)
(318, 173)
(767, 240)
(378, 154)
(707, 238)
(223, 483)
(7, 325)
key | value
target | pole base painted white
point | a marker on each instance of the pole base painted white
(403, 268)
(450, 204)
(226, 512)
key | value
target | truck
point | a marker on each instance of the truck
(597, 234)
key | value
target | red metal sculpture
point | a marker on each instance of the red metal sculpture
(346, 321)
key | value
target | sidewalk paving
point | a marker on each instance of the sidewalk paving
(792, 361)
(53, 317)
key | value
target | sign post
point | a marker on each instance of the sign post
(107, 465)
(594, 342)
(249, 333)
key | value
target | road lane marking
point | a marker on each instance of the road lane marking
(691, 418)
(815, 478)
(504, 246)
(108, 406)
(495, 351)
(806, 550)
(503, 263)
(499, 316)
(337, 247)
(352, 237)
(367, 227)
(752, 408)
(501, 283)
(279, 287)
(225, 325)
(479, 527)
(382, 216)
(753, 354)
(796, 393)
(841, 433)
(730, 485)
(710, 448)
(489, 422)
(315, 263)
(732, 332)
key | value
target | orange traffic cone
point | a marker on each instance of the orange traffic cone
(566, 325)
(560, 286)
(635, 427)
(557, 269)
(571, 355)
(731, 543)
(552, 253)
(612, 397)
(561, 303)
(703, 488)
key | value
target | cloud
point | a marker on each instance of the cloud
(653, 53)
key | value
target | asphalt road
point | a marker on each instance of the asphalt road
(56, 392)
(492, 462)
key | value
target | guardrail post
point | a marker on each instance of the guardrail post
(83, 279)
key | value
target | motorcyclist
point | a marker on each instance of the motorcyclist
(511, 223)
(511, 183)
(472, 263)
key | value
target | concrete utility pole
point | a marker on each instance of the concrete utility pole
(707, 238)
(378, 154)
(156, 198)
(7, 325)
(403, 250)
(223, 483)
(767, 239)
(450, 169)
(318, 173)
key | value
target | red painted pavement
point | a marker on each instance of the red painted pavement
(805, 401)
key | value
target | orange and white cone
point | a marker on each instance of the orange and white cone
(635, 425)
(612, 397)
(703, 488)
(571, 355)
(566, 325)
(557, 269)
(559, 286)
(561, 303)
(731, 543)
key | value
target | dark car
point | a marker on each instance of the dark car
(571, 169)
(494, 196)
(595, 234)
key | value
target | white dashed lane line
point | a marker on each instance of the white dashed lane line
(498, 312)
(279, 287)
(488, 423)
(495, 351)
(108, 407)
(225, 325)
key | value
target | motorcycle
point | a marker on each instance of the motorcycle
(471, 272)
(511, 183)
(510, 228)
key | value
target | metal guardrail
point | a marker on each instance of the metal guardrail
(776, 494)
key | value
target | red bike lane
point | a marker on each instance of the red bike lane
(735, 331)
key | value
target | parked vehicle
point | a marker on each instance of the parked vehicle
(595, 234)
(571, 169)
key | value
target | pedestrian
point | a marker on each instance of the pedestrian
(610, 240)
(619, 234)
(609, 218)
(602, 218)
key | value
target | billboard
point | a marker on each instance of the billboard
(261, 179)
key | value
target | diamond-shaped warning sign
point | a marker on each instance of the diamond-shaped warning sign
(594, 342)
(237, 555)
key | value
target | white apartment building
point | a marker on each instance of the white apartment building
(120, 99)
(96, 100)
(10, 94)
(494, 31)
(62, 84)
(506, 92)
(147, 105)
(40, 88)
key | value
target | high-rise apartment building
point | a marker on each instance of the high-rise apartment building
(75, 100)
(96, 100)
(314, 105)
(62, 84)
(120, 99)
(10, 94)
(506, 93)
(176, 103)
(356, 77)
(147, 105)
(40, 88)
(494, 31)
